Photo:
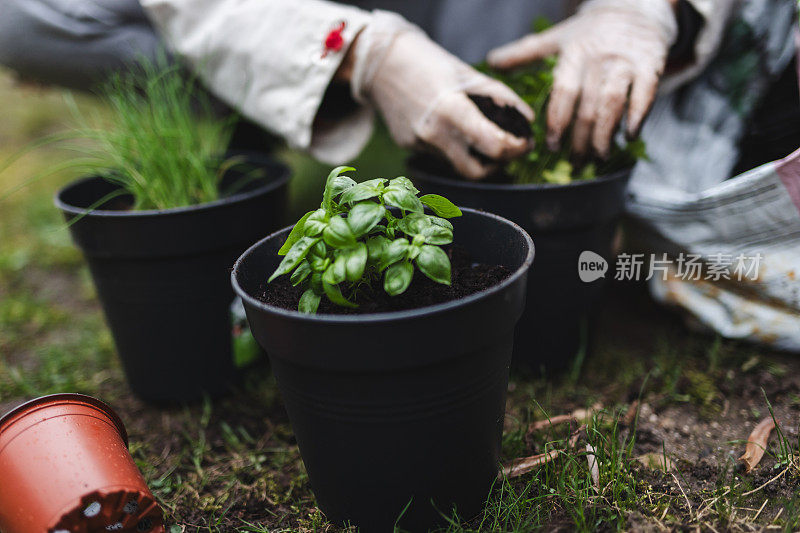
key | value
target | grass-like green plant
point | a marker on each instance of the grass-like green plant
(354, 240)
(161, 141)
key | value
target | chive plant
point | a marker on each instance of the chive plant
(161, 143)
(354, 240)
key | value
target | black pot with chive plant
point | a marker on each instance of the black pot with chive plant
(160, 219)
(567, 206)
(388, 318)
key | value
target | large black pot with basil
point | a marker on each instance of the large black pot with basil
(398, 415)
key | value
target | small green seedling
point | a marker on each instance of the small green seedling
(354, 240)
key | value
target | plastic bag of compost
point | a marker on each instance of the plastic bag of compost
(740, 234)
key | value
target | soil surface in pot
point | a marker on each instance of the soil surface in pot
(467, 278)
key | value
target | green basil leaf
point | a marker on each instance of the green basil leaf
(391, 227)
(441, 205)
(334, 294)
(405, 183)
(434, 263)
(338, 233)
(363, 191)
(337, 271)
(438, 221)
(319, 249)
(319, 264)
(376, 248)
(377, 183)
(341, 184)
(295, 235)
(309, 302)
(414, 224)
(316, 282)
(317, 222)
(356, 262)
(394, 252)
(293, 257)
(333, 184)
(437, 235)
(413, 250)
(404, 199)
(397, 278)
(364, 216)
(300, 273)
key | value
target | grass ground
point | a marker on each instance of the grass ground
(662, 395)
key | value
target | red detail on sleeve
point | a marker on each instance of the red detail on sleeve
(334, 41)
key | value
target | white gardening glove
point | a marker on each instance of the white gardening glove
(607, 47)
(421, 91)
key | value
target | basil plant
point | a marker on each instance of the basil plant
(354, 241)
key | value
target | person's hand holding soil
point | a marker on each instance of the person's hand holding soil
(607, 48)
(422, 92)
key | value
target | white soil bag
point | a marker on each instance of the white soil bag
(744, 230)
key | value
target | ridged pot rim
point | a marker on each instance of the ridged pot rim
(390, 316)
(65, 398)
(271, 183)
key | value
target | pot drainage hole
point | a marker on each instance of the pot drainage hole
(93, 509)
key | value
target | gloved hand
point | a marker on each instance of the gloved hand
(607, 47)
(421, 91)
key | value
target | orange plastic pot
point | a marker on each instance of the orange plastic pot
(65, 468)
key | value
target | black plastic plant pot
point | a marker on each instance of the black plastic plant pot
(162, 277)
(564, 220)
(403, 408)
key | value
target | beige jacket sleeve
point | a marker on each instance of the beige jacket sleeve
(269, 60)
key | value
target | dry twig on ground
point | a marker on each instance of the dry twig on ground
(523, 465)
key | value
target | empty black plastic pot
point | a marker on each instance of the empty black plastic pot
(564, 220)
(162, 277)
(400, 408)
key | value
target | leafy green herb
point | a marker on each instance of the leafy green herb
(354, 240)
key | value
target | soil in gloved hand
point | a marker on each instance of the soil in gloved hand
(507, 117)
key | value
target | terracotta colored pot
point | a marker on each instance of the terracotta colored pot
(65, 468)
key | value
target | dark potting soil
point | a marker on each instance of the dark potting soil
(467, 278)
(507, 117)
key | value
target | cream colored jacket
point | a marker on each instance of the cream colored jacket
(268, 59)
